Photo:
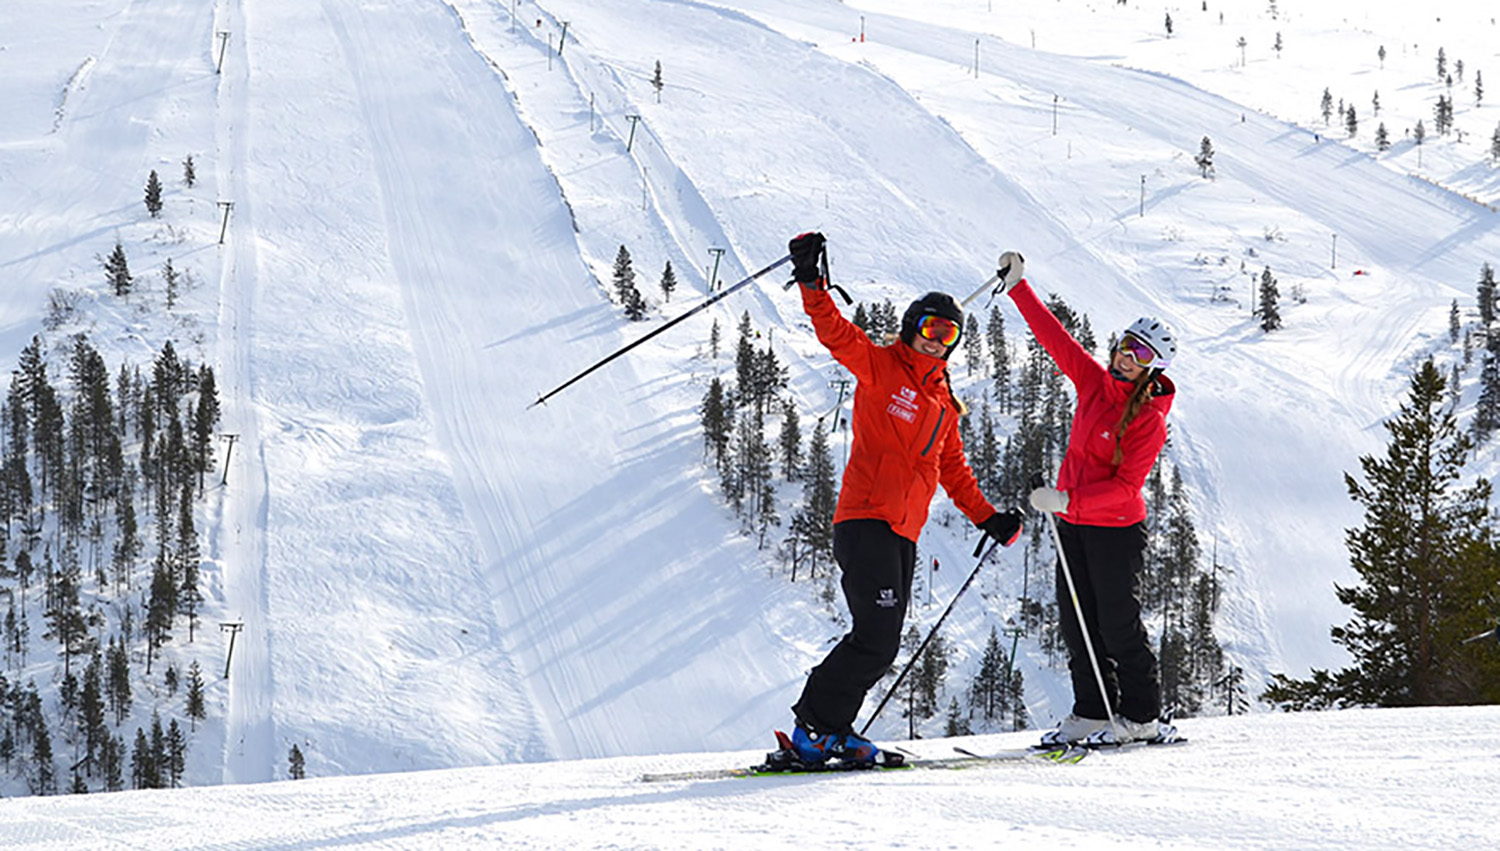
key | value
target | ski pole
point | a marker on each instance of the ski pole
(994, 279)
(1083, 625)
(1489, 633)
(704, 306)
(917, 655)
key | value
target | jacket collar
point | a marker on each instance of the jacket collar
(928, 369)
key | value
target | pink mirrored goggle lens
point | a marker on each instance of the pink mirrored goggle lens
(1138, 350)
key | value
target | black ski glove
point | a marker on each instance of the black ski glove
(1003, 526)
(807, 251)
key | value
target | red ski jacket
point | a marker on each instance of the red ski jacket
(905, 429)
(1099, 492)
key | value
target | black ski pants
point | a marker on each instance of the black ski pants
(1106, 563)
(877, 566)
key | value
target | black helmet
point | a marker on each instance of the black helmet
(932, 304)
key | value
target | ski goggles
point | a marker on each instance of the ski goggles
(1141, 353)
(938, 329)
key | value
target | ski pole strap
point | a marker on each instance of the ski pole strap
(828, 283)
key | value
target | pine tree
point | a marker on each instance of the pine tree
(1442, 115)
(189, 557)
(176, 753)
(714, 415)
(1427, 572)
(1442, 64)
(117, 680)
(625, 290)
(196, 710)
(170, 275)
(117, 271)
(44, 773)
(142, 771)
(1455, 324)
(861, 318)
(927, 678)
(189, 172)
(668, 282)
(999, 358)
(1174, 667)
(153, 194)
(1382, 138)
(973, 344)
(1327, 106)
(1478, 88)
(1205, 157)
(65, 617)
(1232, 684)
(205, 420)
(160, 761)
(957, 723)
(91, 717)
(819, 499)
(744, 363)
(1270, 315)
(1485, 294)
(1351, 122)
(112, 763)
(656, 81)
(1375, 105)
(790, 442)
(984, 455)
(1487, 408)
(988, 689)
(1203, 646)
(296, 764)
(159, 610)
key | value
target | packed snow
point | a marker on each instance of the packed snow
(481, 621)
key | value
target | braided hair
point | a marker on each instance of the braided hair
(1145, 385)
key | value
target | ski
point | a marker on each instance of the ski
(1092, 746)
(780, 767)
(1113, 747)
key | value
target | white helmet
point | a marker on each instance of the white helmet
(1155, 333)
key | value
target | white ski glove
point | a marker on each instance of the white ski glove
(1050, 500)
(1011, 270)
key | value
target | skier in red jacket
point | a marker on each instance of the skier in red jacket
(906, 443)
(1118, 430)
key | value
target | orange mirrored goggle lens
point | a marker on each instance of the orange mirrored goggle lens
(938, 329)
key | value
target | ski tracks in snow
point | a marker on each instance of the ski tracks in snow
(250, 748)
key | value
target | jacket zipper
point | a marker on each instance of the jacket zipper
(942, 413)
(932, 438)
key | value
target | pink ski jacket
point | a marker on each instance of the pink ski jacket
(1099, 492)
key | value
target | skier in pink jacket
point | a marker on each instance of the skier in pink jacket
(1118, 430)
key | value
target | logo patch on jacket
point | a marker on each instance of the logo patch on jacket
(885, 598)
(903, 404)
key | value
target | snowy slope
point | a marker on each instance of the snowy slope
(428, 199)
(1392, 779)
